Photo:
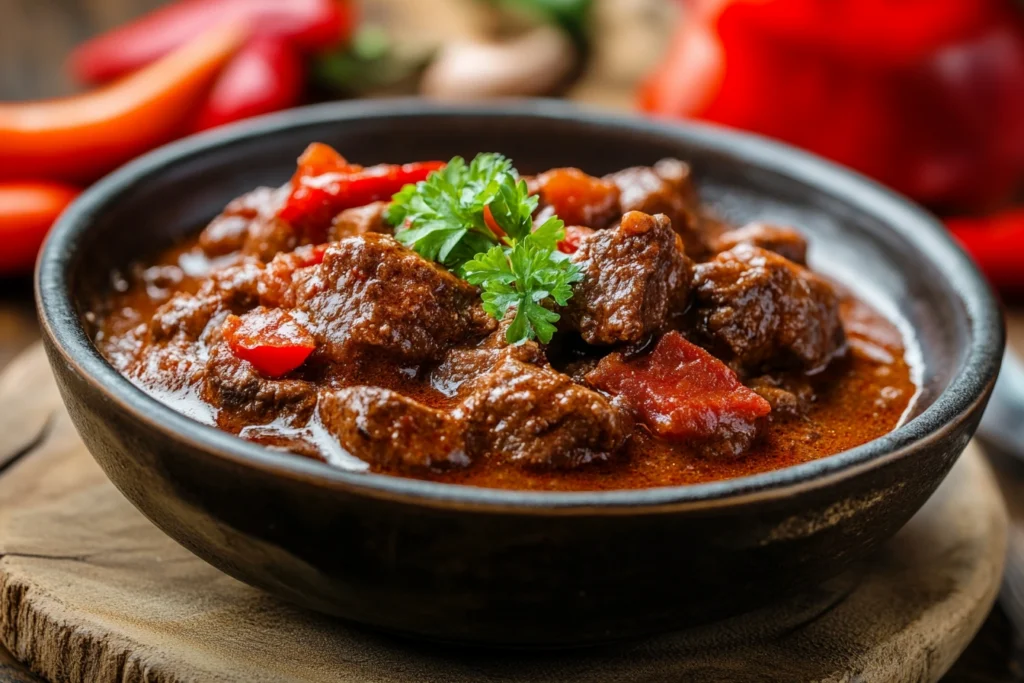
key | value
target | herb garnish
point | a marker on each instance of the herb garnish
(444, 218)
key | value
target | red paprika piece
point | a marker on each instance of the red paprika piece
(319, 194)
(270, 339)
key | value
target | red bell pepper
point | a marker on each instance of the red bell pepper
(319, 194)
(996, 243)
(270, 339)
(27, 210)
(267, 75)
(924, 96)
(307, 25)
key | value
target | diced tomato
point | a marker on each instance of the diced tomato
(578, 198)
(270, 339)
(574, 236)
(680, 391)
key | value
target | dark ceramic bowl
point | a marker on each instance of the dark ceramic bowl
(504, 567)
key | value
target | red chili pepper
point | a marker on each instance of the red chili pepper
(267, 75)
(307, 24)
(83, 136)
(924, 96)
(316, 199)
(996, 243)
(270, 339)
(27, 210)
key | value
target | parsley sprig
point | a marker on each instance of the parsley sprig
(443, 218)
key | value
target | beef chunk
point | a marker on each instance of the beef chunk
(761, 311)
(245, 397)
(577, 198)
(237, 285)
(463, 364)
(287, 273)
(683, 393)
(249, 224)
(360, 220)
(635, 278)
(391, 431)
(534, 416)
(668, 189)
(184, 315)
(372, 295)
(788, 396)
(233, 288)
(785, 242)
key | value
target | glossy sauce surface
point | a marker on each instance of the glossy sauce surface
(858, 397)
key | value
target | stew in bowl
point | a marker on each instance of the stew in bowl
(739, 368)
(461, 323)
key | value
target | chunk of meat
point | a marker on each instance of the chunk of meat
(286, 273)
(360, 220)
(269, 338)
(574, 236)
(372, 295)
(249, 224)
(184, 315)
(786, 242)
(534, 416)
(463, 364)
(665, 188)
(788, 396)
(237, 285)
(391, 431)
(577, 198)
(761, 311)
(636, 277)
(682, 392)
(243, 396)
(229, 289)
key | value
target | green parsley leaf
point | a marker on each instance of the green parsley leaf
(524, 276)
(443, 219)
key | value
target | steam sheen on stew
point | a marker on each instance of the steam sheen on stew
(686, 350)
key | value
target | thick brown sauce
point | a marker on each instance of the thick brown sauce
(860, 397)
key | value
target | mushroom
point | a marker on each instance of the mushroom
(533, 63)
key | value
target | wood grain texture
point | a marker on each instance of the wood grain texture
(91, 591)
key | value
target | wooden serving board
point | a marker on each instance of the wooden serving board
(91, 591)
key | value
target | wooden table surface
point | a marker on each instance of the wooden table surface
(35, 36)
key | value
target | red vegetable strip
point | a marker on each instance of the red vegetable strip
(996, 243)
(315, 200)
(270, 339)
(306, 24)
(267, 75)
(492, 224)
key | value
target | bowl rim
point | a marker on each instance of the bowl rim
(967, 391)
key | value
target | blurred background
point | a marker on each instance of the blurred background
(926, 96)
